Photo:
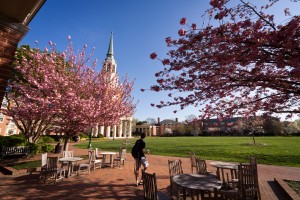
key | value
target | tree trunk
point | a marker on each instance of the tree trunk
(253, 138)
(66, 143)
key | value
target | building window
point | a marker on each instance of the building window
(10, 132)
(1, 117)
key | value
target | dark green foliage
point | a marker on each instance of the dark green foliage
(34, 148)
(83, 135)
(14, 140)
(141, 122)
(46, 139)
(47, 148)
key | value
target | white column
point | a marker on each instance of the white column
(121, 128)
(95, 131)
(130, 128)
(114, 131)
(102, 130)
(108, 131)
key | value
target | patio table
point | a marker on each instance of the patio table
(196, 183)
(70, 161)
(111, 154)
(225, 167)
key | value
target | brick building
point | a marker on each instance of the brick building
(15, 15)
(162, 127)
(7, 125)
(219, 125)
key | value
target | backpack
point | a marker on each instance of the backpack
(135, 151)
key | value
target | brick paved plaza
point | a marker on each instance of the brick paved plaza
(119, 183)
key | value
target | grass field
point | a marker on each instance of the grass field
(283, 151)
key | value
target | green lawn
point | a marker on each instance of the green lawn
(283, 151)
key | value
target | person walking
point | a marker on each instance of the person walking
(138, 152)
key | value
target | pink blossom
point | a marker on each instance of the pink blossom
(181, 32)
(183, 21)
(194, 26)
(165, 61)
(153, 55)
(155, 88)
(168, 40)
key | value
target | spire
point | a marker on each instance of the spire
(110, 52)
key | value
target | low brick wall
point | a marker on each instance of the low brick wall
(289, 191)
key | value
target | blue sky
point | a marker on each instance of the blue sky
(140, 28)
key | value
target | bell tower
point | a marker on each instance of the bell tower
(109, 64)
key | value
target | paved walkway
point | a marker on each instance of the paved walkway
(115, 183)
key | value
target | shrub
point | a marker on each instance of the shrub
(100, 136)
(83, 135)
(46, 139)
(34, 149)
(47, 148)
(14, 140)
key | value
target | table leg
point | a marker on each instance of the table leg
(69, 169)
(104, 160)
(184, 194)
(111, 160)
(218, 173)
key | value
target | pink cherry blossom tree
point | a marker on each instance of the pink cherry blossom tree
(245, 64)
(63, 92)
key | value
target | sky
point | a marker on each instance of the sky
(139, 28)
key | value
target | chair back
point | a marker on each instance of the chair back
(122, 153)
(193, 160)
(97, 152)
(67, 154)
(248, 181)
(201, 167)
(44, 160)
(92, 156)
(52, 163)
(150, 186)
(175, 167)
(252, 160)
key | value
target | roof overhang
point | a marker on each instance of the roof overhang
(20, 11)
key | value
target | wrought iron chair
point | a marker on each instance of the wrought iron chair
(175, 167)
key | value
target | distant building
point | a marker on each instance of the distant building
(219, 125)
(7, 125)
(148, 129)
(159, 129)
(167, 126)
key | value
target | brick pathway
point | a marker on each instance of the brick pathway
(115, 183)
